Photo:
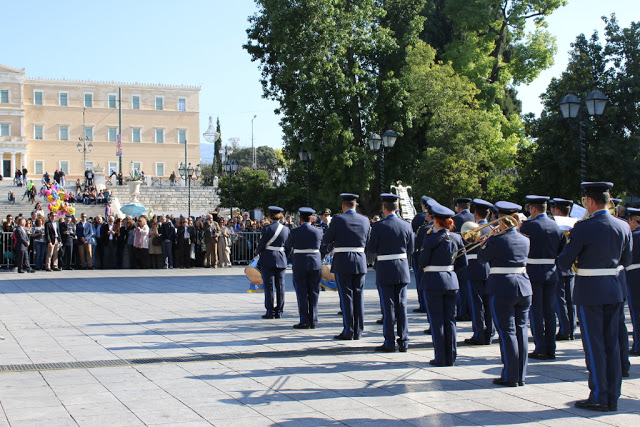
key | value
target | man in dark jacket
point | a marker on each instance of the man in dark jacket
(168, 235)
(52, 237)
(21, 245)
(185, 237)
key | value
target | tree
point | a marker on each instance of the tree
(266, 159)
(248, 191)
(612, 140)
(217, 161)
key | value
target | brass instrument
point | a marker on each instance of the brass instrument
(473, 235)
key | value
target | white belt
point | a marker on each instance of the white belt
(275, 248)
(306, 251)
(472, 256)
(593, 272)
(347, 249)
(507, 270)
(390, 257)
(438, 268)
(633, 267)
(541, 261)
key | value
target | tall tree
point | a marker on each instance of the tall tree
(217, 146)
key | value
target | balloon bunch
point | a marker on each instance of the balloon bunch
(57, 198)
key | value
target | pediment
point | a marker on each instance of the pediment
(7, 69)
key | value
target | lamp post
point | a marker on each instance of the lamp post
(376, 143)
(231, 167)
(187, 171)
(83, 147)
(211, 136)
(253, 150)
(571, 107)
(305, 156)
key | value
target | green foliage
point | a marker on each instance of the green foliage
(248, 189)
(266, 158)
(217, 161)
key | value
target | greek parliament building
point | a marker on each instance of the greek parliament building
(48, 124)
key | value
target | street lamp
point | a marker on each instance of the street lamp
(231, 167)
(376, 143)
(571, 107)
(187, 172)
(305, 156)
(211, 136)
(253, 150)
(83, 147)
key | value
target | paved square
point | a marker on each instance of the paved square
(188, 347)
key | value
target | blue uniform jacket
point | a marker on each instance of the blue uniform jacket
(347, 230)
(477, 270)
(269, 258)
(422, 231)
(461, 218)
(418, 221)
(437, 250)
(547, 241)
(509, 249)
(601, 241)
(633, 276)
(304, 237)
(389, 237)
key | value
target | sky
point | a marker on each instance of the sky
(199, 42)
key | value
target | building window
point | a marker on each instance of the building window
(112, 101)
(64, 133)
(64, 166)
(159, 136)
(38, 131)
(88, 133)
(37, 97)
(159, 169)
(38, 167)
(88, 100)
(64, 99)
(135, 102)
(159, 103)
(112, 134)
(88, 165)
(136, 166)
(113, 168)
(5, 129)
(135, 134)
(4, 96)
(182, 136)
(182, 104)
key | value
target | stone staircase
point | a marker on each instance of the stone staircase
(165, 199)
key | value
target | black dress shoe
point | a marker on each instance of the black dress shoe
(20, 271)
(427, 331)
(625, 374)
(634, 353)
(340, 313)
(301, 326)
(380, 321)
(277, 316)
(613, 408)
(356, 337)
(551, 357)
(402, 349)
(521, 383)
(342, 337)
(31, 271)
(500, 381)
(538, 356)
(434, 363)
(419, 310)
(562, 337)
(591, 405)
(268, 316)
(312, 326)
(471, 341)
(386, 349)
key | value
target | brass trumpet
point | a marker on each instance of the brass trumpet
(473, 233)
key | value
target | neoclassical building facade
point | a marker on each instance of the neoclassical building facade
(48, 124)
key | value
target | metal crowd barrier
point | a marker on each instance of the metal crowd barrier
(8, 255)
(243, 246)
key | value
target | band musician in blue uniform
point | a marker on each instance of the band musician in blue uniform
(602, 246)
(567, 320)
(463, 214)
(347, 235)
(273, 263)
(477, 274)
(633, 279)
(440, 283)
(546, 241)
(506, 251)
(392, 241)
(423, 222)
(304, 246)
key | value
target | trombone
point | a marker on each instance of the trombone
(471, 232)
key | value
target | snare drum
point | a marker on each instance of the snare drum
(253, 273)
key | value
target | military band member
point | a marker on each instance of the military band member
(420, 232)
(546, 242)
(633, 279)
(477, 274)
(304, 246)
(510, 291)
(347, 235)
(273, 262)
(420, 218)
(463, 214)
(392, 241)
(323, 220)
(440, 283)
(560, 208)
(602, 246)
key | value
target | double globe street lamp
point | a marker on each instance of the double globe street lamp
(187, 172)
(572, 107)
(231, 167)
(83, 147)
(377, 143)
